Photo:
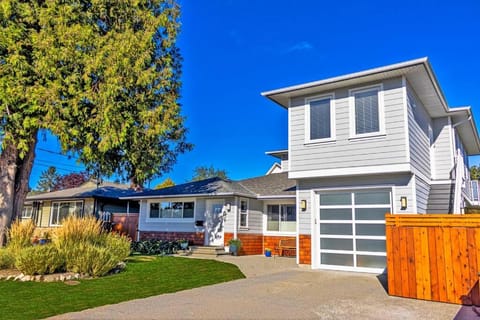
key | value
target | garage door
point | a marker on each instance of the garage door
(352, 230)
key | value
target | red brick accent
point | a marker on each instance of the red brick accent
(271, 242)
(251, 243)
(305, 243)
(196, 238)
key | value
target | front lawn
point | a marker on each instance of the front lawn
(143, 277)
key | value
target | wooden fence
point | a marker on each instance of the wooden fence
(434, 257)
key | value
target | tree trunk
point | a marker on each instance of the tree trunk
(14, 176)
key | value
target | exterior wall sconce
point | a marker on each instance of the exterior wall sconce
(303, 205)
(228, 206)
(403, 203)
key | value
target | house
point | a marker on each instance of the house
(369, 143)
(259, 211)
(48, 209)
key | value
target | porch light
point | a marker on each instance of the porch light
(303, 205)
(403, 203)
(228, 206)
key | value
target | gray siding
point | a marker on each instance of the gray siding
(402, 186)
(420, 124)
(422, 192)
(443, 153)
(255, 217)
(440, 199)
(345, 152)
(229, 224)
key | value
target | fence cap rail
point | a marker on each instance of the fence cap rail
(432, 220)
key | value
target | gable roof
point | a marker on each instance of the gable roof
(274, 185)
(418, 73)
(87, 190)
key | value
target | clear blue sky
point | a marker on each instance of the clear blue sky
(233, 50)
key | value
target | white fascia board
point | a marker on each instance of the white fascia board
(273, 197)
(391, 168)
(184, 196)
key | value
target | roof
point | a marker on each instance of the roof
(273, 185)
(87, 190)
(418, 73)
(280, 154)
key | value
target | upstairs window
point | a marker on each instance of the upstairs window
(367, 111)
(319, 119)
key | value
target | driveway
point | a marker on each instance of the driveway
(277, 289)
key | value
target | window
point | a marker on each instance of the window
(319, 119)
(27, 212)
(281, 218)
(475, 190)
(171, 210)
(61, 210)
(367, 111)
(243, 213)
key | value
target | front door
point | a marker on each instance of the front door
(214, 223)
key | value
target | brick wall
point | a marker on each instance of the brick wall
(196, 238)
(305, 251)
(271, 242)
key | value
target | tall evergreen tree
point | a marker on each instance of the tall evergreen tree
(48, 180)
(204, 172)
(101, 75)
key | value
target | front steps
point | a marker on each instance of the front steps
(207, 251)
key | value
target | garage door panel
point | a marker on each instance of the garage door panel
(334, 199)
(372, 197)
(370, 229)
(365, 261)
(370, 213)
(336, 229)
(336, 244)
(370, 245)
(336, 214)
(337, 259)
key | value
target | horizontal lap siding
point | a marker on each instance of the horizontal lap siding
(434, 257)
(443, 153)
(386, 150)
(255, 217)
(422, 191)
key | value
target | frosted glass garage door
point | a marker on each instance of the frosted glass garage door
(352, 229)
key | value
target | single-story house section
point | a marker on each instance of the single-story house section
(101, 200)
(259, 211)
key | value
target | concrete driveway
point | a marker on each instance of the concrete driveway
(277, 289)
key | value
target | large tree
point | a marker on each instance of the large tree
(48, 180)
(101, 75)
(204, 172)
(71, 180)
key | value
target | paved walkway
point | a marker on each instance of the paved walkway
(277, 289)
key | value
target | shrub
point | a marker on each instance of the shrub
(118, 245)
(155, 247)
(90, 259)
(39, 260)
(76, 230)
(7, 259)
(20, 235)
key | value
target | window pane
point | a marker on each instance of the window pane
(370, 229)
(371, 261)
(335, 214)
(337, 259)
(371, 245)
(177, 210)
(336, 228)
(372, 197)
(154, 210)
(273, 217)
(366, 112)
(336, 244)
(320, 119)
(188, 209)
(371, 213)
(77, 210)
(243, 206)
(63, 211)
(331, 199)
(165, 210)
(55, 213)
(243, 220)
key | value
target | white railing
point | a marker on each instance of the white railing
(459, 179)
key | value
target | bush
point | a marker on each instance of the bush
(90, 259)
(76, 230)
(20, 235)
(155, 247)
(7, 259)
(118, 245)
(39, 260)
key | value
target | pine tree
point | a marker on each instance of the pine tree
(48, 180)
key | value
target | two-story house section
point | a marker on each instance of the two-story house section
(368, 143)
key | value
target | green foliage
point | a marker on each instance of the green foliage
(165, 184)
(144, 277)
(43, 259)
(7, 259)
(20, 235)
(75, 230)
(86, 258)
(155, 247)
(48, 180)
(235, 242)
(203, 172)
(118, 245)
(104, 77)
(475, 173)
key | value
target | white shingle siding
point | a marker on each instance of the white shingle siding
(345, 152)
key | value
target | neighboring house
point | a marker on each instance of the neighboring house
(368, 143)
(48, 209)
(258, 211)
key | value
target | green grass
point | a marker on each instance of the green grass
(143, 277)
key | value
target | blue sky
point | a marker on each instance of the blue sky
(234, 50)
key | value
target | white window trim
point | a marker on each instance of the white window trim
(381, 111)
(332, 137)
(265, 219)
(245, 213)
(24, 210)
(173, 220)
(69, 201)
